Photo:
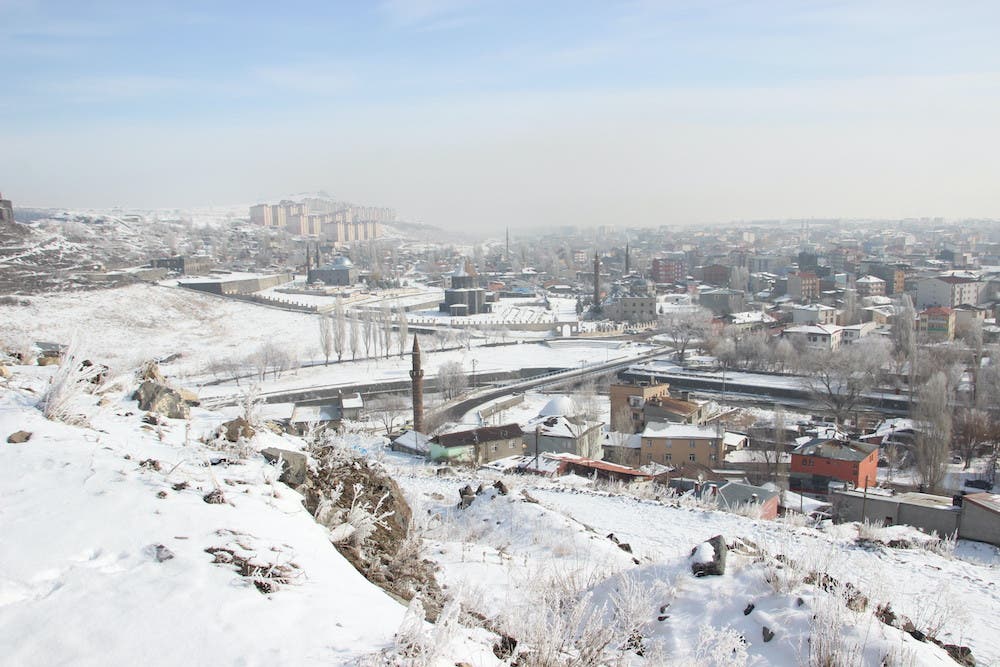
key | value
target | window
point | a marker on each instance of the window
(666, 457)
(648, 444)
(691, 456)
(692, 444)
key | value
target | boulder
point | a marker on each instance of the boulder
(709, 557)
(48, 360)
(151, 372)
(294, 465)
(189, 396)
(18, 437)
(767, 633)
(237, 428)
(159, 398)
(4, 371)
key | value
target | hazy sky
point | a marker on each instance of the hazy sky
(462, 113)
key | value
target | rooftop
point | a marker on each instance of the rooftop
(850, 450)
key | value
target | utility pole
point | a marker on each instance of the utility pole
(864, 499)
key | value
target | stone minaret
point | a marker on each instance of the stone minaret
(597, 281)
(626, 258)
(417, 388)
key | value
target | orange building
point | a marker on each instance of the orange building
(822, 460)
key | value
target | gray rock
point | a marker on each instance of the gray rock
(19, 437)
(768, 634)
(159, 552)
(237, 428)
(159, 398)
(294, 465)
(716, 566)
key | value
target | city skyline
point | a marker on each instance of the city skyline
(498, 114)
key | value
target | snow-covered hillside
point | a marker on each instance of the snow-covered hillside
(112, 553)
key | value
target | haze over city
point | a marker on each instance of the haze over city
(491, 114)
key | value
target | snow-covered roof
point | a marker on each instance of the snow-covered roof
(869, 280)
(750, 317)
(730, 439)
(413, 440)
(815, 329)
(669, 430)
(892, 425)
(559, 427)
(304, 414)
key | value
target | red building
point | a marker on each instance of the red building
(821, 460)
(666, 270)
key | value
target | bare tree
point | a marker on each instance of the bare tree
(904, 337)
(585, 403)
(325, 338)
(402, 330)
(839, 379)
(339, 328)
(369, 332)
(685, 326)
(386, 329)
(973, 430)
(933, 441)
(355, 338)
(774, 449)
(387, 410)
(451, 379)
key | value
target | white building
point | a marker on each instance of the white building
(948, 291)
(819, 337)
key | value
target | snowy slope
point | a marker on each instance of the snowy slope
(81, 518)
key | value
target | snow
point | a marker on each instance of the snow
(81, 521)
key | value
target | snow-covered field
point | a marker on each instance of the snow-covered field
(514, 542)
(121, 327)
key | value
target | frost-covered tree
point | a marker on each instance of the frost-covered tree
(325, 338)
(355, 338)
(452, 379)
(933, 441)
(685, 326)
(838, 379)
(339, 328)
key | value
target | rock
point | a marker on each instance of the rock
(238, 428)
(48, 360)
(4, 372)
(704, 565)
(749, 608)
(799, 602)
(215, 497)
(294, 465)
(625, 546)
(150, 464)
(917, 634)
(18, 437)
(466, 496)
(189, 396)
(505, 648)
(154, 397)
(150, 372)
(885, 614)
(151, 418)
(961, 654)
(159, 552)
(768, 634)
(611, 536)
(500, 487)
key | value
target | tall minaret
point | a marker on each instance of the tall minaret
(417, 388)
(626, 258)
(308, 264)
(597, 281)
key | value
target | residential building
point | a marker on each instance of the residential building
(803, 286)
(948, 291)
(870, 286)
(478, 445)
(628, 401)
(559, 434)
(936, 324)
(674, 410)
(722, 301)
(670, 444)
(632, 309)
(816, 337)
(327, 413)
(748, 320)
(820, 461)
(814, 313)
(716, 274)
(668, 270)
(852, 333)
